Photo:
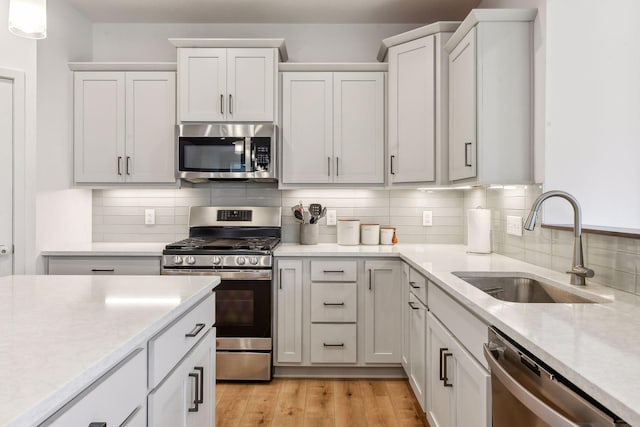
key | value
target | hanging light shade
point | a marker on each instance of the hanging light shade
(28, 18)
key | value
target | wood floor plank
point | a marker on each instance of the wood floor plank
(349, 404)
(377, 403)
(290, 404)
(320, 404)
(404, 404)
(261, 405)
(233, 404)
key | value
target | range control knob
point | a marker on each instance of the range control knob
(190, 259)
(241, 260)
(177, 259)
(216, 260)
(253, 260)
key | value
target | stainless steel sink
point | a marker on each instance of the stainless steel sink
(515, 288)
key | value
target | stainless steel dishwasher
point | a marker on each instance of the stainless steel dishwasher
(527, 393)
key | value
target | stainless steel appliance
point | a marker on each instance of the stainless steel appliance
(235, 243)
(208, 151)
(525, 392)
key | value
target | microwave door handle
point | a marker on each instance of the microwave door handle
(248, 158)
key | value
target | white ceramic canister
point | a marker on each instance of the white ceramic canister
(386, 235)
(348, 231)
(370, 234)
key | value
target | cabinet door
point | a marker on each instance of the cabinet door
(358, 126)
(289, 306)
(440, 398)
(383, 312)
(99, 126)
(250, 85)
(412, 111)
(202, 364)
(471, 389)
(462, 109)
(406, 319)
(150, 124)
(418, 347)
(307, 128)
(202, 87)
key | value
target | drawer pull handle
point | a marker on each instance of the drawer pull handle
(334, 271)
(442, 350)
(195, 331)
(98, 424)
(445, 379)
(333, 345)
(197, 398)
(413, 285)
(333, 303)
(103, 270)
(201, 370)
(413, 307)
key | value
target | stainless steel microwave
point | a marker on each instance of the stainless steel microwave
(208, 151)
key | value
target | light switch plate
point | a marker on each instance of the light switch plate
(514, 225)
(331, 217)
(427, 218)
(149, 216)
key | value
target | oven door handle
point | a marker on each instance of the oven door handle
(223, 274)
(528, 399)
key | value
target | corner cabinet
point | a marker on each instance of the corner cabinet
(124, 127)
(491, 98)
(226, 85)
(332, 127)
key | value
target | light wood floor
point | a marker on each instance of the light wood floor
(318, 402)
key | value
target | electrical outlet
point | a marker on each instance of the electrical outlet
(331, 217)
(149, 216)
(427, 218)
(514, 225)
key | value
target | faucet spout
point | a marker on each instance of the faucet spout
(578, 271)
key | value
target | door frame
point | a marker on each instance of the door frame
(19, 166)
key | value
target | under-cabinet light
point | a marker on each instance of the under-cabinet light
(142, 301)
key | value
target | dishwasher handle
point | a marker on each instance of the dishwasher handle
(535, 405)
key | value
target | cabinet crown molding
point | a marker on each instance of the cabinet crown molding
(123, 66)
(234, 43)
(416, 33)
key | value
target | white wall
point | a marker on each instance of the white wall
(63, 215)
(20, 54)
(593, 110)
(305, 42)
(540, 53)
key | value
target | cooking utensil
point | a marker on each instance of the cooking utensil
(315, 209)
(298, 215)
(323, 213)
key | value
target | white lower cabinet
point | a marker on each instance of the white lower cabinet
(103, 265)
(418, 348)
(289, 308)
(186, 397)
(459, 388)
(333, 343)
(406, 319)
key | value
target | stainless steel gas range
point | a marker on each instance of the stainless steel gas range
(235, 243)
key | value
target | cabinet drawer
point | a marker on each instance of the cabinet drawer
(104, 265)
(333, 302)
(467, 328)
(334, 271)
(172, 343)
(333, 343)
(116, 397)
(418, 285)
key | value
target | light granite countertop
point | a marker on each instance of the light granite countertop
(595, 346)
(106, 249)
(58, 334)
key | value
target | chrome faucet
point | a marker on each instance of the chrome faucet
(578, 271)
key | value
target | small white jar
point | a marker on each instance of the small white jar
(348, 231)
(386, 235)
(370, 234)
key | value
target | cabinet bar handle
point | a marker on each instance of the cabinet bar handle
(333, 345)
(413, 285)
(333, 271)
(445, 379)
(101, 424)
(196, 330)
(119, 165)
(328, 166)
(230, 104)
(392, 172)
(370, 279)
(195, 401)
(442, 350)
(128, 164)
(201, 370)
(280, 278)
(221, 104)
(337, 166)
(103, 270)
(333, 303)
(413, 307)
(466, 154)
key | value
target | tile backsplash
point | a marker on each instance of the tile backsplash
(118, 214)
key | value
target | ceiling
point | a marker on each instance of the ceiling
(275, 11)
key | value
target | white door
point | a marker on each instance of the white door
(462, 109)
(6, 177)
(202, 84)
(307, 128)
(289, 307)
(150, 124)
(406, 319)
(250, 85)
(412, 111)
(440, 398)
(358, 127)
(472, 390)
(418, 358)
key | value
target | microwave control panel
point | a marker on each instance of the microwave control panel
(262, 153)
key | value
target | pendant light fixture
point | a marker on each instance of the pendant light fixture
(28, 18)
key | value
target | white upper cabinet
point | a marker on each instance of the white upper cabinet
(124, 127)
(418, 114)
(491, 98)
(332, 127)
(232, 85)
